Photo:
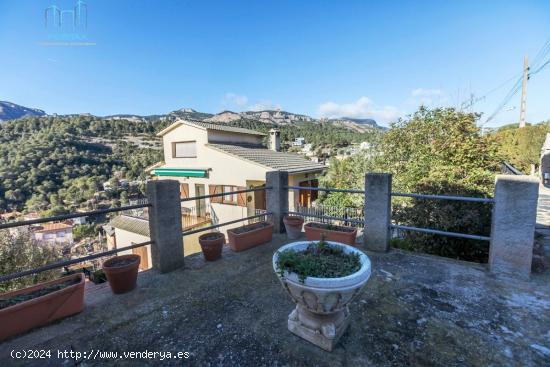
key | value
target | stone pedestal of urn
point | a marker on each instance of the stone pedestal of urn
(322, 315)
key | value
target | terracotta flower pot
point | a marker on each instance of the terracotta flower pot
(41, 310)
(293, 226)
(121, 272)
(211, 245)
(243, 238)
(341, 234)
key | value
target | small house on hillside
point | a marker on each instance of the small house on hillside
(210, 159)
(60, 234)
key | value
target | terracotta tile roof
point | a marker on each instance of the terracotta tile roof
(291, 163)
(49, 227)
(210, 126)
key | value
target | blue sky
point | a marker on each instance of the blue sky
(322, 58)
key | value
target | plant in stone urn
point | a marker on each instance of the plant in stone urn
(322, 278)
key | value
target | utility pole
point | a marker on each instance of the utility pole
(524, 92)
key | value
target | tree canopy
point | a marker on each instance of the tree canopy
(49, 162)
(433, 151)
(521, 147)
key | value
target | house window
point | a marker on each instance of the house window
(49, 236)
(184, 190)
(184, 149)
(232, 199)
(60, 234)
(229, 199)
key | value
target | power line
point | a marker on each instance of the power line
(540, 68)
(537, 65)
(515, 88)
(541, 54)
(472, 101)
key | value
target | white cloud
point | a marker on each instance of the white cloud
(427, 97)
(240, 102)
(364, 107)
(264, 105)
(234, 100)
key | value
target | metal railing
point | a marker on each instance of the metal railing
(348, 191)
(444, 197)
(226, 193)
(60, 264)
(323, 216)
(193, 216)
(395, 226)
(58, 218)
(437, 231)
(508, 169)
(131, 210)
(68, 262)
(343, 215)
(203, 229)
(347, 219)
(218, 225)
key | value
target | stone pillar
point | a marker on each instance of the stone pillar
(165, 224)
(513, 225)
(277, 198)
(376, 236)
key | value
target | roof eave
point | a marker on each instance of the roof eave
(309, 170)
(169, 128)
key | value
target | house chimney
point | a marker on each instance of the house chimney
(275, 139)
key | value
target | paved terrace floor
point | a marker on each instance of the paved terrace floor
(415, 310)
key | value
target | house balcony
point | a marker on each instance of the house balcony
(415, 310)
(191, 216)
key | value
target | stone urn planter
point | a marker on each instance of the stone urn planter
(245, 237)
(321, 315)
(121, 272)
(293, 226)
(27, 308)
(212, 245)
(342, 234)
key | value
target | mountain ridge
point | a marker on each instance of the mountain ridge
(12, 111)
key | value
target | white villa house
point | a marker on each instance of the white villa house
(209, 159)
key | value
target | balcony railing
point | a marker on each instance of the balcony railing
(141, 210)
(514, 210)
(344, 216)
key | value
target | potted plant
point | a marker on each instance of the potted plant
(27, 308)
(121, 272)
(293, 226)
(98, 276)
(245, 237)
(322, 278)
(342, 234)
(211, 245)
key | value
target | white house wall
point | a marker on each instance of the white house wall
(223, 169)
(126, 238)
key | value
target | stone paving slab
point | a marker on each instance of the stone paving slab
(415, 311)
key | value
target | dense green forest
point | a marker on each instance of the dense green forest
(58, 163)
(48, 162)
(316, 133)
